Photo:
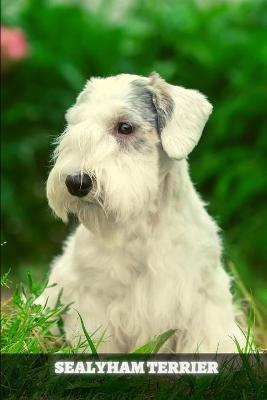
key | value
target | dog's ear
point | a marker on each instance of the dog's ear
(182, 114)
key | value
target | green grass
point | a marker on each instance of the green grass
(34, 380)
(25, 329)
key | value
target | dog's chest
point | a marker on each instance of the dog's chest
(135, 293)
(142, 285)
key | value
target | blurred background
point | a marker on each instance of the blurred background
(50, 48)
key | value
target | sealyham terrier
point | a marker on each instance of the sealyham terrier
(146, 256)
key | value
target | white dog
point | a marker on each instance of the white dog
(146, 256)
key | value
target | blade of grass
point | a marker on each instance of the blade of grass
(86, 334)
(155, 344)
(101, 338)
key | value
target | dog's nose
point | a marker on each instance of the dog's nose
(79, 185)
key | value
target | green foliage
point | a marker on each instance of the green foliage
(25, 328)
(243, 381)
(219, 48)
(25, 325)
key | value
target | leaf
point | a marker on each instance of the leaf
(88, 338)
(155, 344)
(30, 283)
(5, 278)
(101, 338)
(16, 297)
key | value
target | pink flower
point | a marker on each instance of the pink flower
(14, 46)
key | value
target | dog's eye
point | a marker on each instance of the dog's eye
(125, 128)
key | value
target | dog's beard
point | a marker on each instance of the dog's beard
(95, 218)
(103, 221)
(119, 198)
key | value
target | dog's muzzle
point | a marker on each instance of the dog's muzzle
(79, 185)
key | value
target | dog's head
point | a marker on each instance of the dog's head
(108, 161)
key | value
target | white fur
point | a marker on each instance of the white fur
(146, 256)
